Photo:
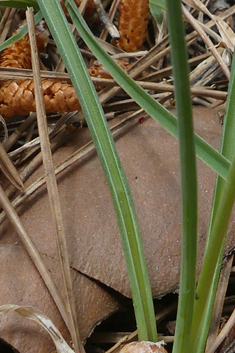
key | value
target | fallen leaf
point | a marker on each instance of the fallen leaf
(149, 156)
(21, 284)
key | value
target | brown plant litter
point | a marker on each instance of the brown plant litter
(147, 151)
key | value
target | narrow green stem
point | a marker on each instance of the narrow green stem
(120, 191)
(205, 301)
(199, 342)
(204, 151)
(218, 233)
(188, 177)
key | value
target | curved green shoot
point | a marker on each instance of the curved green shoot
(128, 224)
(204, 151)
(200, 325)
(188, 175)
(217, 236)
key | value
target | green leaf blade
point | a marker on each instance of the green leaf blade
(204, 151)
(188, 174)
(20, 4)
(215, 238)
(118, 185)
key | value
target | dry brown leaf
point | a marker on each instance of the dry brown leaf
(21, 284)
(149, 157)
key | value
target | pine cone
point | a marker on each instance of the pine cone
(19, 54)
(98, 70)
(132, 24)
(17, 97)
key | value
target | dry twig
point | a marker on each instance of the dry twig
(53, 190)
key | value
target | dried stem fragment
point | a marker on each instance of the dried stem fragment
(132, 24)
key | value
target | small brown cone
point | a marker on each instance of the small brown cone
(18, 54)
(17, 97)
(132, 24)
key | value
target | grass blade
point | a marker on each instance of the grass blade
(188, 174)
(217, 236)
(204, 151)
(20, 4)
(200, 325)
(157, 8)
(118, 185)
